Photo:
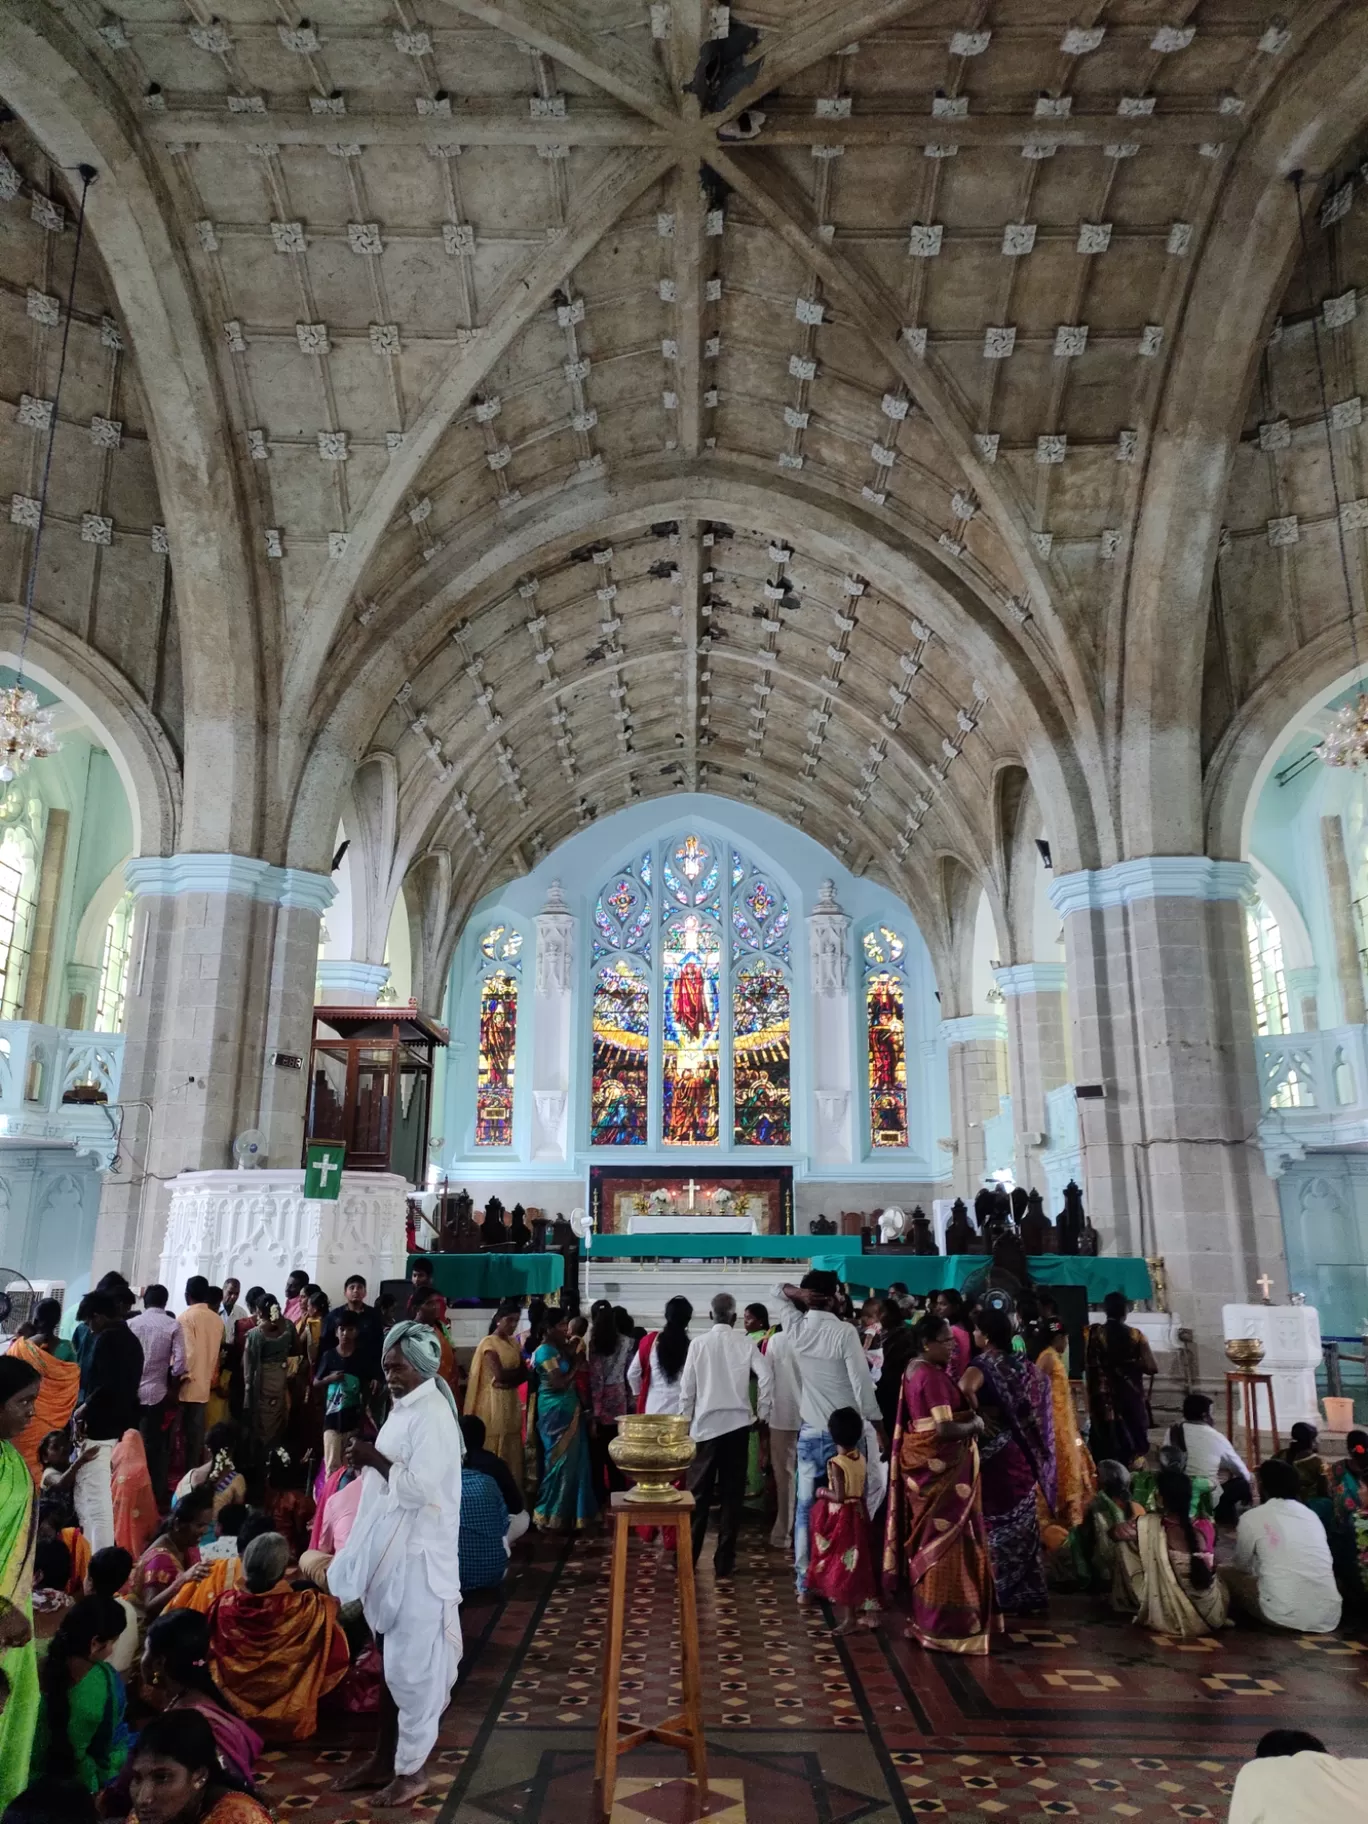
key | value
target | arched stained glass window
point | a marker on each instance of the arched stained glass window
(620, 1113)
(760, 1057)
(691, 971)
(885, 991)
(500, 954)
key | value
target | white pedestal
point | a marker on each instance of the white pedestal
(1291, 1338)
(258, 1226)
(687, 1224)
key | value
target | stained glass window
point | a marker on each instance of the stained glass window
(622, 916)
(884, 1004)
(500, 944)
(621, 1069)
(498, 1043)
(883, 946)
(760, 1057)
(691, 965)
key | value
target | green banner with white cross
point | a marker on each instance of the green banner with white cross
(323, 1169)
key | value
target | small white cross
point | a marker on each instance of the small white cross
(691, 1187)
(327, 1165)
(1265, 1285)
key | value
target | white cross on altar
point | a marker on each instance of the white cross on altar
(1265, 1285)
(691, 1187)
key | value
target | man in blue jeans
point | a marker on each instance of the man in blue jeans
(832, 1372)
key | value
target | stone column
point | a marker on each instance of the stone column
(81, 986)
(976, 1056)
(553, 1028)
(220, 980)
(1341, 895)
(833, 1083)
(1163, 1024)
(1037, 1054)
(344, 983)
(1302, 1004)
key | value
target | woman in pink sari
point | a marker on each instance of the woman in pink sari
(935, 1546)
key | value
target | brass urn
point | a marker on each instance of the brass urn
(1246, 1352)
(653, 1448)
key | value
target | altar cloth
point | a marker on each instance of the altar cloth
(693, 1246)
(690, 1224)
(922, 1273)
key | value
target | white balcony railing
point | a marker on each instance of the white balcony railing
(1313, 1092)
(56, 1085)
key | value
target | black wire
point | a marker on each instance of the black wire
(87, 178)
(1325, 418)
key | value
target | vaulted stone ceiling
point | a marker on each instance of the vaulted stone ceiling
(785, 438)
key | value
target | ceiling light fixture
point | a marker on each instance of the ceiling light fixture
(1346, 743)
(25, 725)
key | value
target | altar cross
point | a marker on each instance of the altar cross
(1265, 1285)
(692, 1187)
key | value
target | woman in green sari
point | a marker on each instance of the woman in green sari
(565, 1493)
(19, 1387)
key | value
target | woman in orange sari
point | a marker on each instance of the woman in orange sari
(493, 1391)
(136, 1520)
(56, 1363)
(1074, 1468)
(276, 1651)
(935, 1544)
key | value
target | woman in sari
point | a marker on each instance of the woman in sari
(1178, 1591)
(497, 1371)
(175, 1676)
(276, 1651)
(136, 1519)
(60, 1380)
(20, 1382)
(1075, 1474)
(565, 1496)
(1347, 1525)
(81, 1734)
(176, 1777)
(172, 1559)
(1017, 1456)
(935, 1547)
(1118, 1359)
(269, 1360)
(1100, 1553)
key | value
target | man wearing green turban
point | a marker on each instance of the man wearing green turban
(400, 1561)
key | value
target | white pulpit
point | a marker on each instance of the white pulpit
(685, 1223)
(1291, 1338)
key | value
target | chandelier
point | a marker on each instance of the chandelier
(25, 725)
(25, 731)
(1346, 743)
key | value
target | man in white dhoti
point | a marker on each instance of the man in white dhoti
(400, 1561)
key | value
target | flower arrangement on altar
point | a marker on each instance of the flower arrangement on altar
(660, 1202)
(722, 1201)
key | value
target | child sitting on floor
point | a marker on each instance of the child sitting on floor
(842, 1568)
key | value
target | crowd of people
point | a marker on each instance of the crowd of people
(216, 1523)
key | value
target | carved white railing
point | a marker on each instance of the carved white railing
(1313, 1090)
(56, 1085)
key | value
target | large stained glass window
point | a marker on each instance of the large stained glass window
(691, 967)
(760, 1056)
(498, 1045)
(885, 1013)
(620, 1112)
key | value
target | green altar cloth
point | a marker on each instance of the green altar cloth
(685, 1246)
(494, 1275)
(922, 1273)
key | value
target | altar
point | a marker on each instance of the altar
(674, 1224)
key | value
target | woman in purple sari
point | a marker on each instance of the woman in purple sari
(935, 1549)
(1017, 1455)
(1118, 1359)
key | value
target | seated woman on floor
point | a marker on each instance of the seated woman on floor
(217, 1572)
(276, 1650)
(1090, 1557)
(176, 1677)
(1178, 1592)
(81, 1733)
(177, 1778)
(172, 1559)
(1348, 1524)
(219, 1473)
(1145, 1482)
(1303, 1453)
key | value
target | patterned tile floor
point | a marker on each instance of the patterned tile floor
(1081, 1716)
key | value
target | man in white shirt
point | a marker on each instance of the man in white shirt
(1292, 1780)
(1282, 1573)
(783, 1435)
(714, 1393)
(1211, 1455)
(832, 1372)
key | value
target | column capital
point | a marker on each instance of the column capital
(1302, 981)
(1031, 978)
(176, 876)
(974, 1028)
(1152, 877)
(829, 953)
(345, 983)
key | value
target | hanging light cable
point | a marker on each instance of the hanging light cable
(25, 725)
(1346, 743)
